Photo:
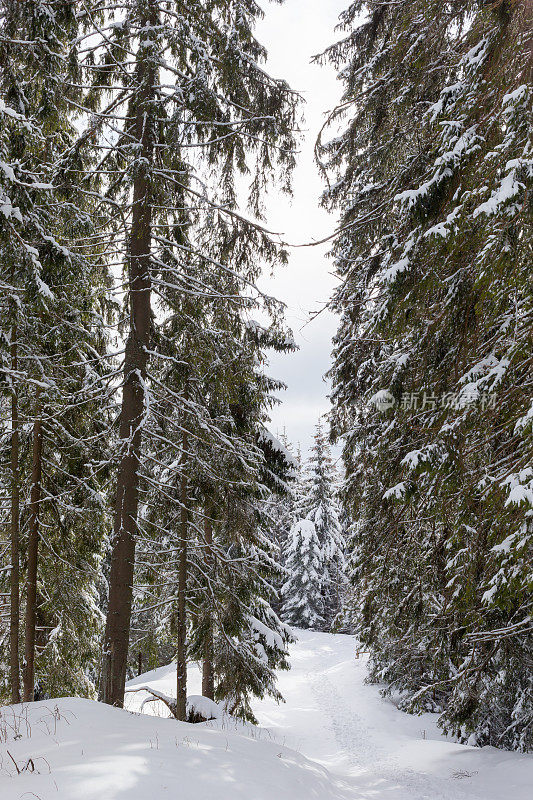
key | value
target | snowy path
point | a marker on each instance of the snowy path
(375, 751)
(335, 738)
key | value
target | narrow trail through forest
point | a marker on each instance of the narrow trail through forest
(373, 750)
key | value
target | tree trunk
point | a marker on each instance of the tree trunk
(181, 687)
(33, 552)
(115, 652)
(208, 674)
(14, 617)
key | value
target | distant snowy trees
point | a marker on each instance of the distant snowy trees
(314, 552)
(303, 601)
(432, 174)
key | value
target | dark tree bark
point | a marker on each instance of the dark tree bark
(181, 686)
(115, 653)
(208, 673)
(33, 553)
(14, 616)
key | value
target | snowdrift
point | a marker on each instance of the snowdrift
(362, 747)
(74, 749)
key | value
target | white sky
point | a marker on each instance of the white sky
(293, 33)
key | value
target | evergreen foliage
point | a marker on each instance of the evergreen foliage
(324, 513)
(124, 132)
(432, 360)
(52, 339)
(314, 554)
(303, 604)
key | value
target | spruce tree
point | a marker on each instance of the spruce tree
(180, 107)
(433, 180)
(314, 554)
(55, 335)
(232, 462)
(303, 592)
(321, 500)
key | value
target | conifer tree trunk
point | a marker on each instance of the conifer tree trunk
(33, 552)
(14, 619)
(117, 632)
(181, 693)
(208, 675)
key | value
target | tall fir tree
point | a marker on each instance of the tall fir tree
(303, 592)
(180, 108)
(323, 511)
(314, 552)
(431, 394)
(52, 327)
(232, 462)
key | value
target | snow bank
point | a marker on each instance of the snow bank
(203, 707)
(73, 749)
(362, 746)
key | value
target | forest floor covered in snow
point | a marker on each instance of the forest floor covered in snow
(335, 738)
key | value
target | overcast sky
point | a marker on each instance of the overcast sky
(293, 33)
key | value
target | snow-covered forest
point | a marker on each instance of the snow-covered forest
(193, 601)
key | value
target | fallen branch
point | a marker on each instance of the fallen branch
(168, 701)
